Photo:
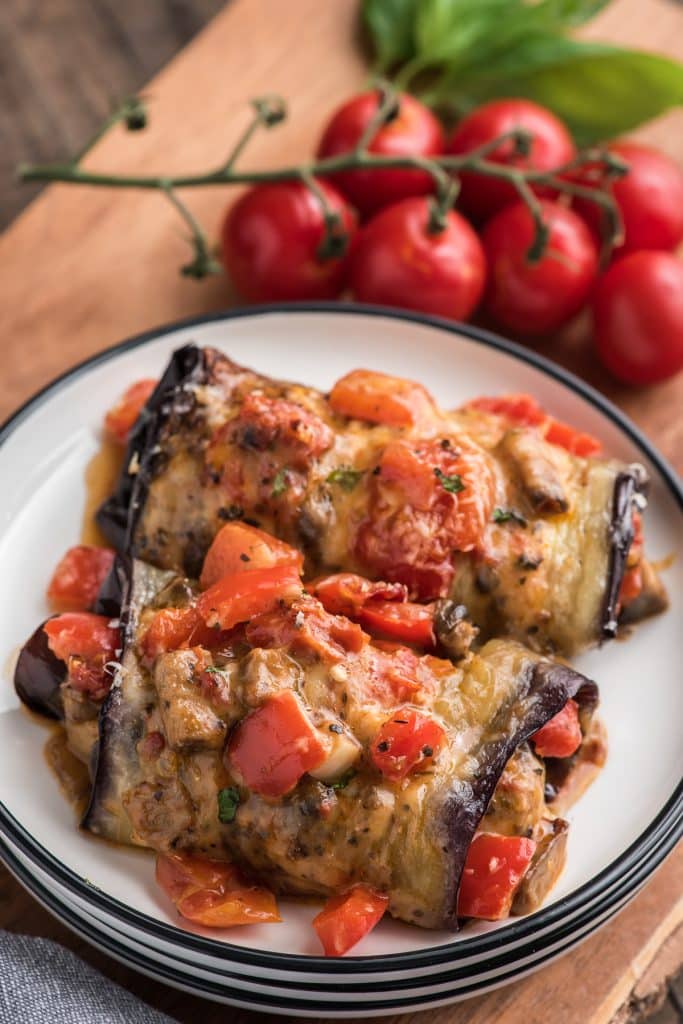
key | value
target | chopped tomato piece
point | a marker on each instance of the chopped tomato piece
(275, 745)
(237, 598)
(237, 547)
(494, 867)
(570, 439)
(412, 623)
(394, 673)
(275, 424)
(121, 417)
(522, 409)
(347, 917)
(345, 593)
(213, 893)
(380, 398)
(406, 741)
(308, 629)
(561, 736)
(82, 635)
(77, 579)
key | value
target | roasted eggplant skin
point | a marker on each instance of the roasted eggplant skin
(38, 676)
(578, 514)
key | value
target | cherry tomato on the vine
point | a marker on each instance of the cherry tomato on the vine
(413, 131)
(638, 317)
(271, 240)
(649, 197)
(551, 147)
(398, 261)
(534, 298)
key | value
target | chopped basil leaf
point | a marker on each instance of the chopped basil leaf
(503, 515)
(343, 780)
(345, 476)
(228, 801)
(453, 484)
(280, 482)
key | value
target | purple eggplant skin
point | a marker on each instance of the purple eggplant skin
(628, 485)
(543, 694)
(117, 517)
(39, 675)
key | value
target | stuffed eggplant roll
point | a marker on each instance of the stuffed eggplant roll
(239, 720)
(496, 506)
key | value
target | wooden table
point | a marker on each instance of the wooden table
(83, 269)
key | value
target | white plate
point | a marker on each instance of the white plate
(42, 459)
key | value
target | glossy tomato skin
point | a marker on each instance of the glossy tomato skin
(649, 197)
(561, 736)
(270, 242)
(347, 917)
(551, 147)
(413, 132)
(78, 577)
(397, 261)
(535, 298)
(638, 317)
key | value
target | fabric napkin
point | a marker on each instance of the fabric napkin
(41, 982)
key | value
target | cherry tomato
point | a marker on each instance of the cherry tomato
(397, 260)
(414, 131)
(238, 597)
(271, 239)
(561, 736)
(307, 628)
(518, 408)
(494, 867)
(213, 893)
(77, 579)
(120, 419)
(406, 741)
(551, 147)
(649, 197)
(275, 745)
(410, 622)
(347, 917)
(345, 593)
(172, 628)
(379, 398)
(572, 440)
(237, 547)
(535, 298)
(638, 317)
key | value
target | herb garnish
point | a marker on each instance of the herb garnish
(504, 515)
(345, 476)
(343, 780)
(228, 801)
(453, 483)
(280, 483)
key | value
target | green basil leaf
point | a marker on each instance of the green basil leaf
(346, 476)
(448, 30)
(228, 802)
(390, 24)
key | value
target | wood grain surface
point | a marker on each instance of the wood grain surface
(82, 269)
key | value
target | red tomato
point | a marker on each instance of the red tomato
(649, 197)
(275, 745)
(535, 298)
(405, 742)
(77, 579)
(561, 736)
(237, 547)
(172, 628)
(397, 261)
(412, 623)
(414, 131)
(379, 398)
(638, 317)
(494, 867)
(521, 409)
(238, 597)
(347, 917)
(551, 147)
(213, 893)
(345, 593)
(82, 635)
(574, 441)
(120, 419)
(395, 673)
(308, 629)
(264, 424)
(271, 237)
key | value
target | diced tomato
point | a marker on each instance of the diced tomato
(494, 867)
(77, 579)
(561, 736)
(121, 417)
(82, 635)
(406, 741)
(275, 745)
(380, 398)
(412, 623)
(394, 673)
(237, 547)
(345, 593)
(308, 629)
(213, 893)
(522, 409)
(347, 917)
(239, 597)
(570, 439)
(267, 424)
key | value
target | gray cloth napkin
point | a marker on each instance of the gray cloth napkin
(41, 982)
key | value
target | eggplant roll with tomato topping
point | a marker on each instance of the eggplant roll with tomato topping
(491, 506)
(282, 738)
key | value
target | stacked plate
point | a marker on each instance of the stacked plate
(621, 829)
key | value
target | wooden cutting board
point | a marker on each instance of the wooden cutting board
(82, 269)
